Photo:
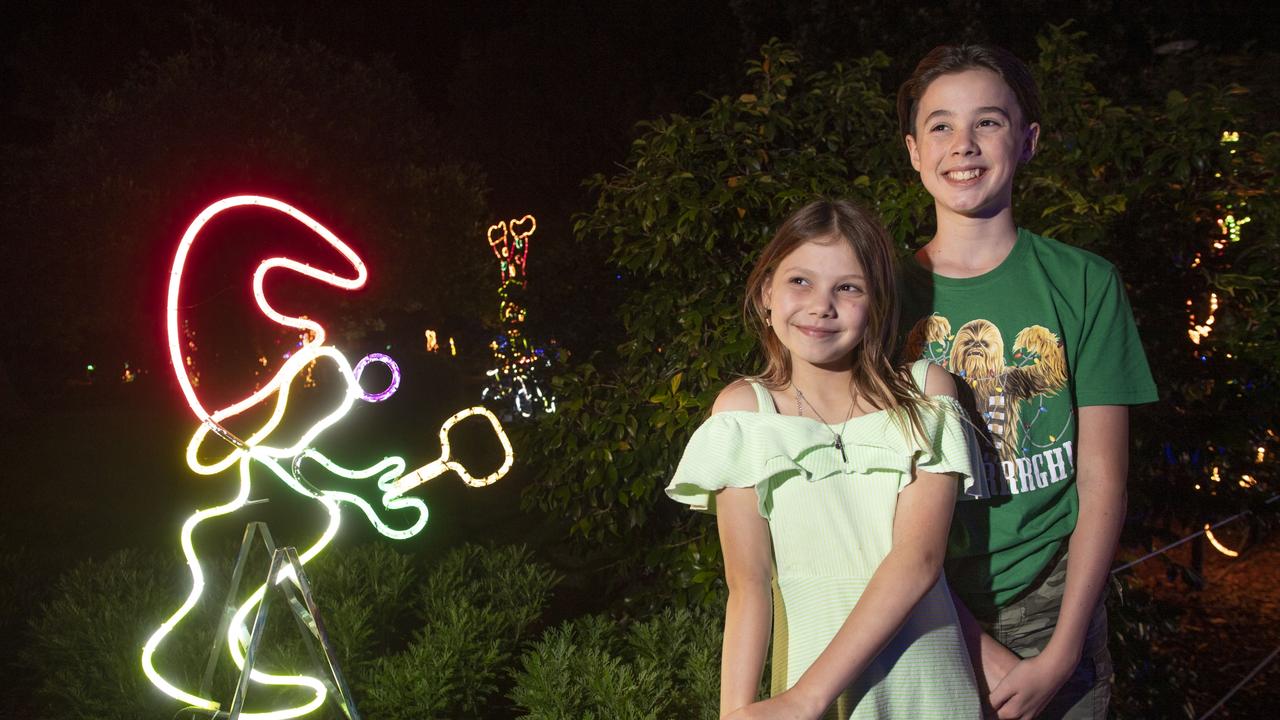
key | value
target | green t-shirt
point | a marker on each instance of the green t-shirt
(1045, 332)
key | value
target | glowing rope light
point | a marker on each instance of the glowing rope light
(246, 452)
(395, 376)
(437, 467)
(354, 282)
(1208, 532)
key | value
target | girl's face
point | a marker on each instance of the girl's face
(968, 141)
(819, 303)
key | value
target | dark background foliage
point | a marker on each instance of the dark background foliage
(408, 127)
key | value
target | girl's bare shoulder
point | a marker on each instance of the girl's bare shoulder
(737, 395)
(937, 381)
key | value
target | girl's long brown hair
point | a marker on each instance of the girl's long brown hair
(875, 377)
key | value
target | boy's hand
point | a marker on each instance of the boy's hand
(1030, 685)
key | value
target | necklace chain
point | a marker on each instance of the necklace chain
(839, 437)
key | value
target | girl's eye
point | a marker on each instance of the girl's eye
(798, 281)
(849, 287)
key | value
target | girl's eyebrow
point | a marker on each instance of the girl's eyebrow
(803, 270)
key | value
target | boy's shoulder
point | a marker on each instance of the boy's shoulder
(1055, 253)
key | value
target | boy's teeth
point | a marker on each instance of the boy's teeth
(964, 174)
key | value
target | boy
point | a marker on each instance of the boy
(1044, 338)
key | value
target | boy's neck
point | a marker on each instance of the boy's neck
(967, 247)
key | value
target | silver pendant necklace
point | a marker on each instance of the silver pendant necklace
(801, 400)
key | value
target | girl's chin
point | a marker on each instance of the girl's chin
(829, 363)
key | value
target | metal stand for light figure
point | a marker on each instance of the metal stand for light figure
(302, 605)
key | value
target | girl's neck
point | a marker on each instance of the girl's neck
(967, 247)
(824, 387)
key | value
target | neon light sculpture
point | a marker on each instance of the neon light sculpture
(519, 362)
(286, 460)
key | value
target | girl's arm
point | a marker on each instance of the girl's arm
(744, 540)
(991, 660)
(748, 570)
(921, 523)
(1102, 468)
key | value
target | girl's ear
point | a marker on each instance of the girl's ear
(1030, 141)
(912, 151)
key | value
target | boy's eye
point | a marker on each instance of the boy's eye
(988, 122)
(939, 127)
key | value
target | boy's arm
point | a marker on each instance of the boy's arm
(1102, 458)
(744, 540)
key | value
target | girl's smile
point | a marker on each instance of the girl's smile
(818, 303)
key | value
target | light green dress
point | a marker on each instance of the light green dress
(832, 523)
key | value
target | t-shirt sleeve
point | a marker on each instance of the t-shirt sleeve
(714, 459)
(952, 448)
(1111, 366)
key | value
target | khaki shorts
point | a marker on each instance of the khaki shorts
(1025, 626)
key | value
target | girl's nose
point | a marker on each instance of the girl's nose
(823, 306)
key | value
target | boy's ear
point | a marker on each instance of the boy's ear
(912, 151)
(1030, 141)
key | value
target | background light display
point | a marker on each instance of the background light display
(520, 364)
(404, 516)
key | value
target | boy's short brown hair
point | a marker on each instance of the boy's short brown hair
(947, 59)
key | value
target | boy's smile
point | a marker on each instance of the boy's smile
(968, 141)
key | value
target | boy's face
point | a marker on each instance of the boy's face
(969, 139)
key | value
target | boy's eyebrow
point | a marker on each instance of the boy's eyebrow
(994, 109)
(984, 109)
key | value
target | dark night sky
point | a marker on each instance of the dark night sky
(541, 95)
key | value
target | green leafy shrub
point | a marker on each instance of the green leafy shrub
(87, 639)
(476, 608)
(594, 668)
(411, 645)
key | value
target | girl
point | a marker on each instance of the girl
(833, 473)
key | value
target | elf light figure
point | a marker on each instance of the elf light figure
(519, 362)
(283, 458)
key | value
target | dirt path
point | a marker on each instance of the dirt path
(1226, 628)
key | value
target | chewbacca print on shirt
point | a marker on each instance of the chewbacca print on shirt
(1009, 395)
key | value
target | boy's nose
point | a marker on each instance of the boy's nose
(962, 144)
